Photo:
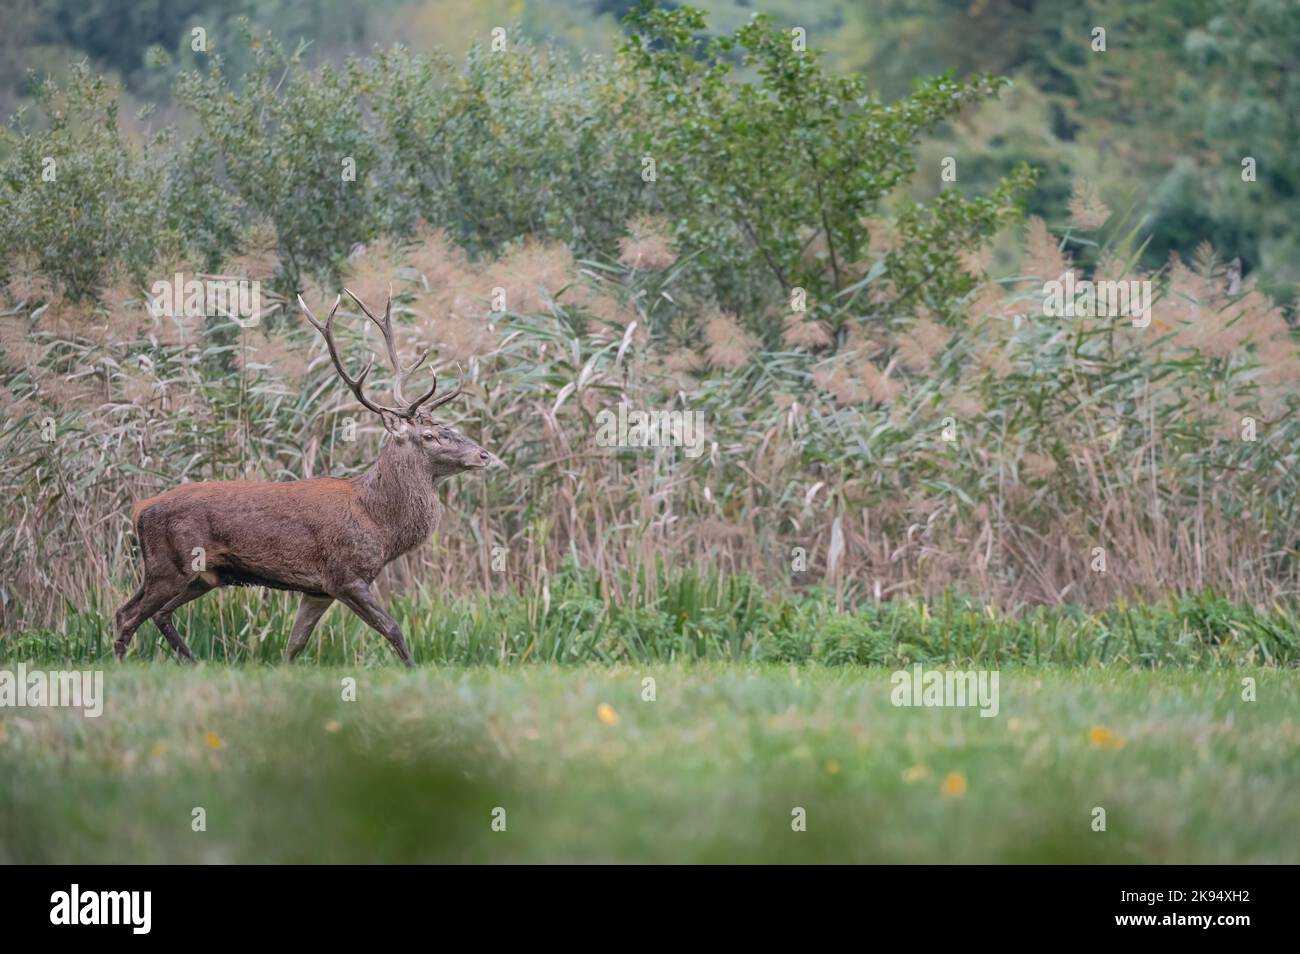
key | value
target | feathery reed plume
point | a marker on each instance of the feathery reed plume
(991, 356)
(274, 356)
(604, 306)
(837, 381)
(1087, 211)
(976, 261)
(531, 276)
(878, 385)
(648, 246)
(730, 346)
(371, 270)
(808, 334)
(149, 398)
(922, 343)
(989, 301)
(1043, 256)
(437, 260)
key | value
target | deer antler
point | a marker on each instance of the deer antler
(460, 386)
(401, 375)
(355, 384)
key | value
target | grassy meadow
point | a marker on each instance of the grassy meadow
(757, 704)
(710, 771)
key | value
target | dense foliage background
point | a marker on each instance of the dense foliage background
(683, 214)
(1160, 122)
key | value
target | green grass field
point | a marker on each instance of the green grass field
(710, 771)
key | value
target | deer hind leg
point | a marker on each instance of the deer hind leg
(310, 610)
(153, 595)
(165, 626)
(162, 581)
(359, 598)
(127, 611)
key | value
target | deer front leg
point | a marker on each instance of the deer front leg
(163, 618)
(359, 598)
(310, 611)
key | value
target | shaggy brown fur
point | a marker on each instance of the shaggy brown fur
(327, 538)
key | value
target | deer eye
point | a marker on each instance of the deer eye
(428, 436)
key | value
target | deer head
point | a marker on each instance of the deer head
(415, 437)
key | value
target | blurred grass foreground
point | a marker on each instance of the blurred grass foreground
(703, 763)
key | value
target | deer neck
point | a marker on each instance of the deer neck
(400, 496)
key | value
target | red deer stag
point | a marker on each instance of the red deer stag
(326, 537)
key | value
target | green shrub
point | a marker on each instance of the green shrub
(77, 200)
(771, 179)
(293, 148)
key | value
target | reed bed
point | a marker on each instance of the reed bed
(1089, 461)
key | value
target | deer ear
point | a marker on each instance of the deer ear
(395, 425)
